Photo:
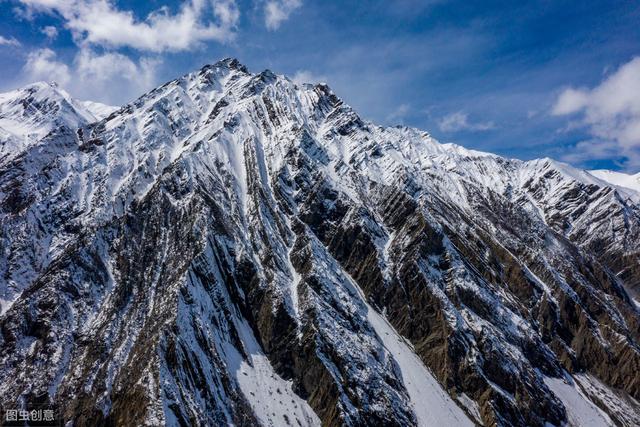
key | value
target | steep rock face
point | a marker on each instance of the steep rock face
(218, 252)
(601, 218)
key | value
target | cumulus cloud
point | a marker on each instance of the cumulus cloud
(570, 101)
(42, 64)
(9, 41)
(610, 112)
(107, 77)
(278, 11)
(100, 22)
(50, 31)
(100, 74)
(459, 121)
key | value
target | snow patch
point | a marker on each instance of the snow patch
(271, 398)
(581, 412)
(5, 305)
(431, 404)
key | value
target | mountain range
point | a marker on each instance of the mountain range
(234, 248)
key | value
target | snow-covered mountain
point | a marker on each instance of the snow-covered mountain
(30, 113)
(234, 248)
(98, 110)
(620, 179)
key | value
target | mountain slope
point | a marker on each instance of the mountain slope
(235, 248)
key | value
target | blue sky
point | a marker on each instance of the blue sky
(534, 79)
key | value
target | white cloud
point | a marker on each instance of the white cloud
(306, 76)
(585, 151)
(278, 11)
(610, 112)
(459, 121)
(10, 41)
(398, 115)
(100, 22)
(107, 77)
(42, 64)
(570, 101)
(50, 31)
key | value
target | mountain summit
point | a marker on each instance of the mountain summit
(234, 248)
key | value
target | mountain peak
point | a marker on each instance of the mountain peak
(29, 113)
(232, 63)
(45, 89)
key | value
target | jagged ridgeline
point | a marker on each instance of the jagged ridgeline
(235, 248)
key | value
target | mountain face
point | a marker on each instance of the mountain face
(233, 248)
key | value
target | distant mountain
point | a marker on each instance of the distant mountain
(234, 248)
(30, 113)
(619, 179)
(98, 110)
